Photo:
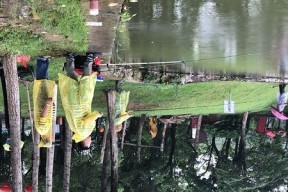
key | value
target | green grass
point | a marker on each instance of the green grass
(18, 41)
(196, 98)
(64, 18)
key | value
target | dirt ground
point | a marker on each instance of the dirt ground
(101, 38)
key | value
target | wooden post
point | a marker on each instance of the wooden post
(114, 141)
(12, 85)
(198, 130)
(139, 136)
(50, 151)
(243, 141)
(123, 135)
(36, 160)
(163, 137)
(67, 157)
(105, 165)
(104, 141)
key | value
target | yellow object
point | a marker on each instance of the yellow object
(76, 97)
(7, 147)
(121, 114)
(42, 90)
(153, 126)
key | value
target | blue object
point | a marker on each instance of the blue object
(42, 68)
(100, 78)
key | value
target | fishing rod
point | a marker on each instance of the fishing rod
(145, 63)
(185, 62)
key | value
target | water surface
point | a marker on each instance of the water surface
(248, 36)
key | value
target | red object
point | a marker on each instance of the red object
(28, 188)
(97, 61)
(78, 71)
(23, 59)
(194, 122)
(5, 187)
(94, 7)
(270, 134)
(261, 125)
(277, 114)
(94, 4)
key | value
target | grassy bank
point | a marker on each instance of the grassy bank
(196, 98)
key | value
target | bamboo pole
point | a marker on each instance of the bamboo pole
(30, 111)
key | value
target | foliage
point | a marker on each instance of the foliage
(19, 41)
(229, 127)
(267, 169)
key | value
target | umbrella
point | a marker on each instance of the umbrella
(277, 114)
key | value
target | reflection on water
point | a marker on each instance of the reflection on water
(224, 36)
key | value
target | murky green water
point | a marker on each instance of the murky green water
(248, 36)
